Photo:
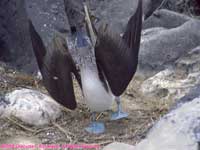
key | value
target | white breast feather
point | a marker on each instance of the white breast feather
(96, 97)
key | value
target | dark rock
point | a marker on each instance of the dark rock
(188, 7)
(166, 19)
(150, 6)
(117, 12)
(114, 12)
(75, 11)
(48, 17)
(165, 47)
(3, 104)
(15, 45)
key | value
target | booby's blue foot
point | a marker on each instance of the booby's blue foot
(118, 115)
(96, 128)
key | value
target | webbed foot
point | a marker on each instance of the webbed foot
(95, 128)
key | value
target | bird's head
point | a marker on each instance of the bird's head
(82, 40)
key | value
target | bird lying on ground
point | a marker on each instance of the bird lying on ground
(105, 66)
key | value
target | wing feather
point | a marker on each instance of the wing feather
(118, 57)
(56, 66)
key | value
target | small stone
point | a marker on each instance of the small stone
(55, 78)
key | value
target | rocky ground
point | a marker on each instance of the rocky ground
(162, 99)
(69, 126)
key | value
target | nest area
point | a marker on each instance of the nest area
(69, 128)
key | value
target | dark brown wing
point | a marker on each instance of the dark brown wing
(118, 57)
(38, 46)
(133, 29)
(56, 66)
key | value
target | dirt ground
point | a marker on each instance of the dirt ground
(69, 128)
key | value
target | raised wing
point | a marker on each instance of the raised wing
(56, 66)
(118, 57)
(133, 29)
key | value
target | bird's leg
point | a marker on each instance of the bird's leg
(95, 127)
(119, 114)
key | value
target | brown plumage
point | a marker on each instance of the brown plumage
(115, 58)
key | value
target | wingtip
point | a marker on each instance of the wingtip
(132, 34)
(31, 27)
(72, 105)
(37, 44)
(140, 7)
(139, 10)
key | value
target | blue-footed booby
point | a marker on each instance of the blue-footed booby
(102, 68)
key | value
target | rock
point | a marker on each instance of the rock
(178, 130)
(3, 104)
(190, 62)
(160, 49)
(149, 6)
(189, 7)
(15, 44)
(169, 83)
(166, 19)
(118, 146)
(146, 70)
(48, 16)
(147, 33)
(193, 93)
(177, 81)
(109, 11)
(30, 106)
